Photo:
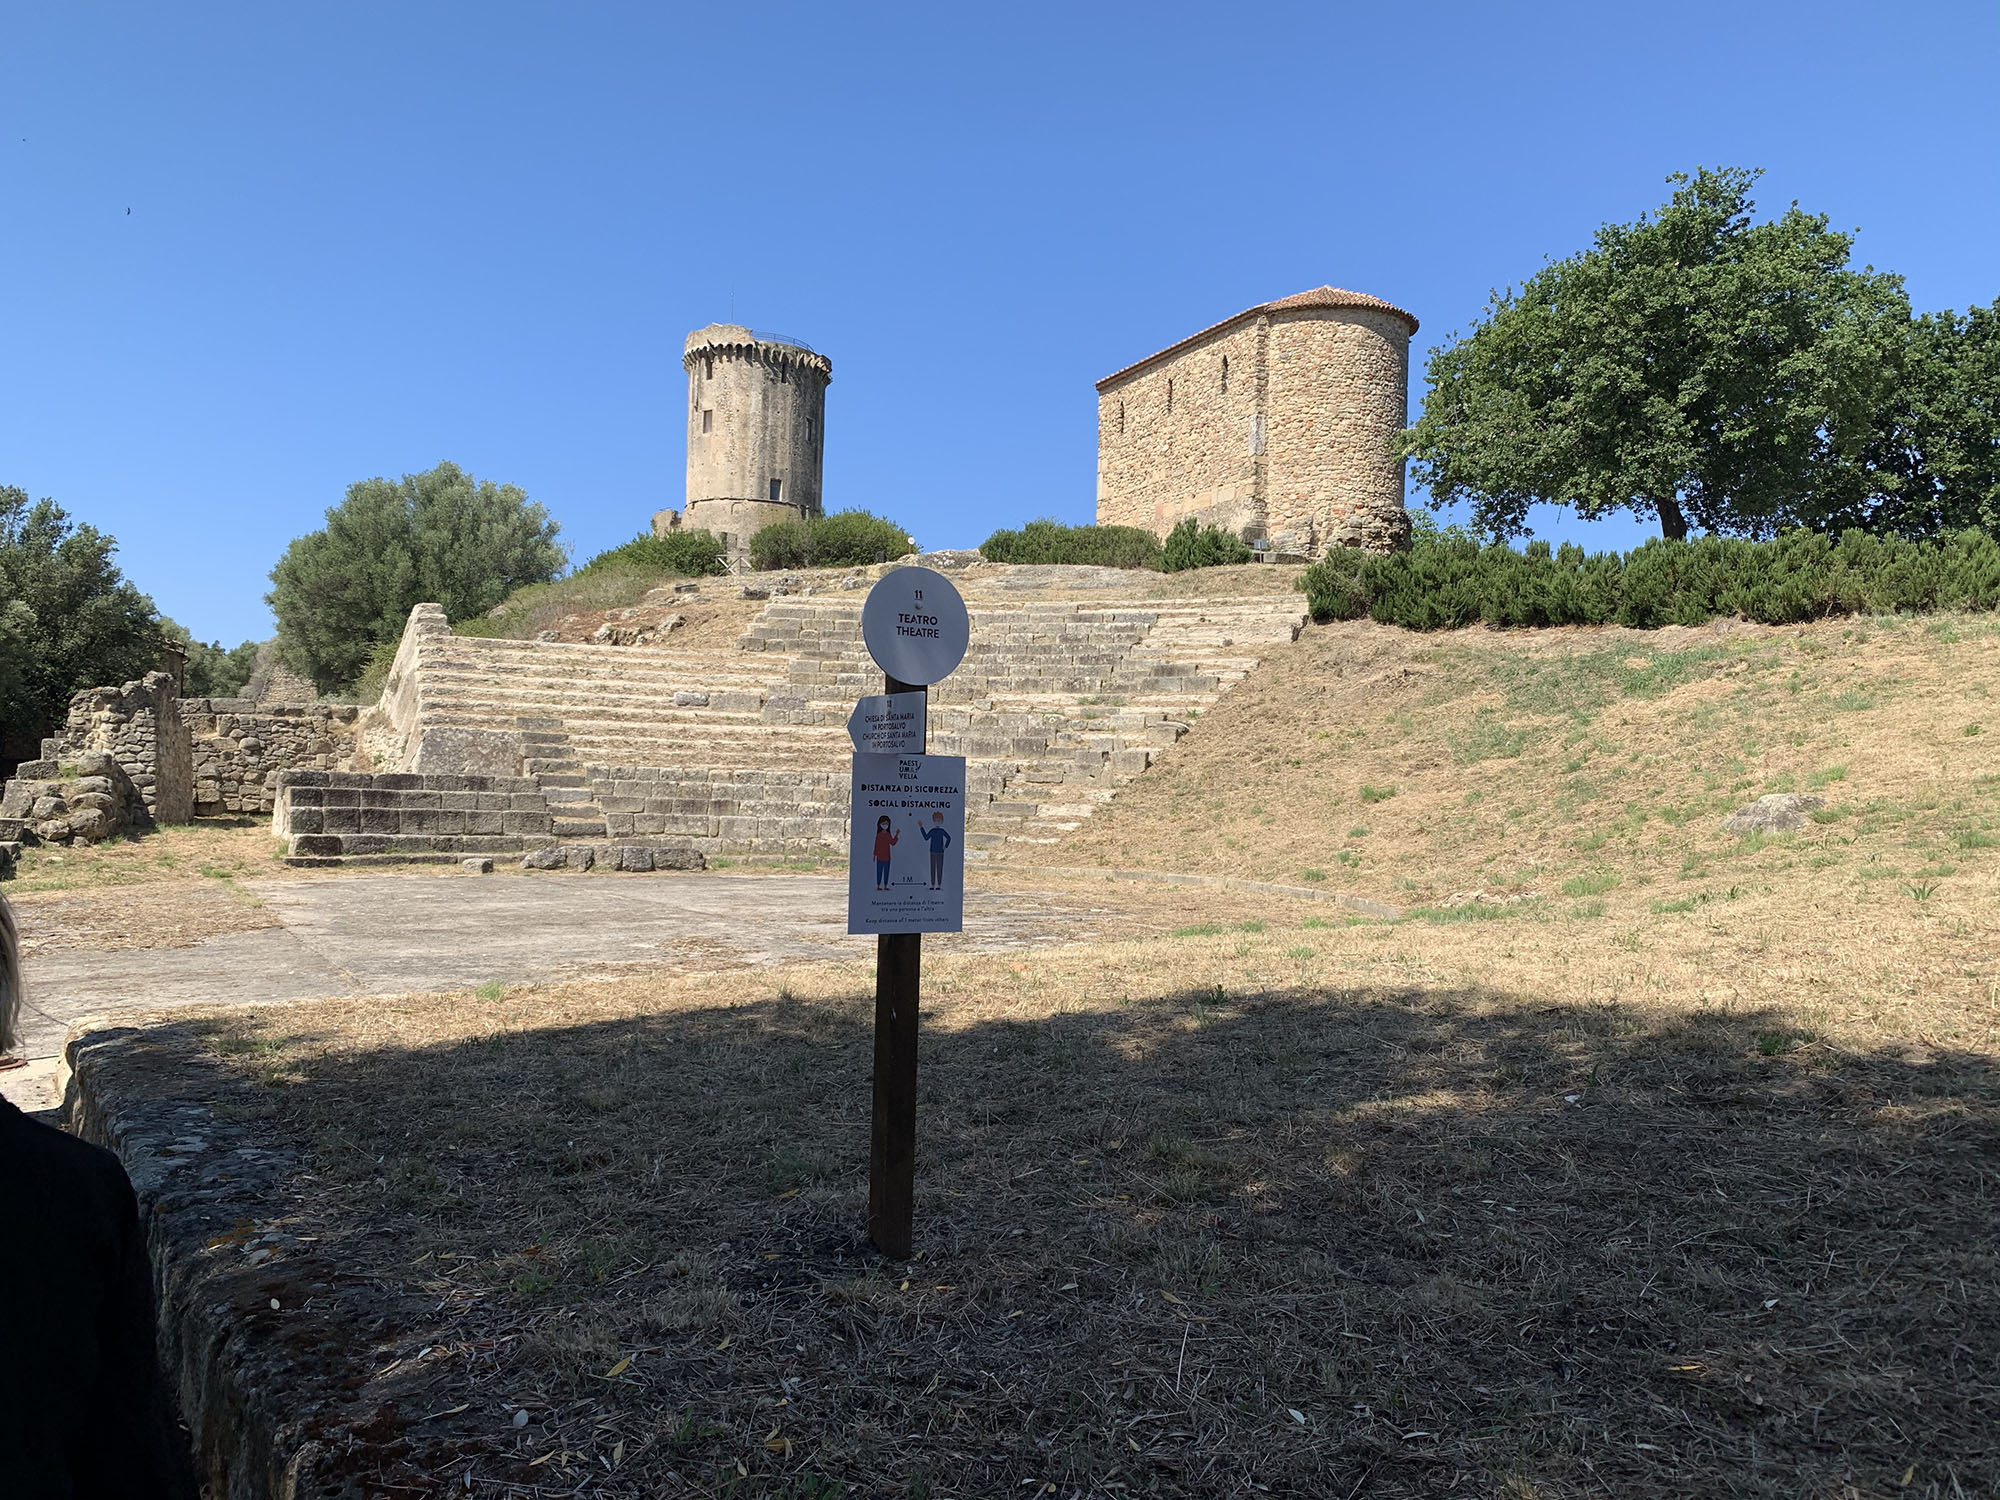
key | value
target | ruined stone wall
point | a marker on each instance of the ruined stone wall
(1338, 398)
(140, 726)
(1293, 452)
(237, 747)
(1182, 439)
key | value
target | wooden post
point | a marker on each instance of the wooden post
(892, 1150)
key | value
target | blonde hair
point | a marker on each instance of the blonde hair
(10, 979)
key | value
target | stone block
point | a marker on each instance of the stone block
(679, 859)
(551, 858)
(477, 823)
(316, 844)
(526, 822)
(579, 856)
(303, 820)
(635, 858)
(479, 864)
(474, 752)
(381, 820)
(37, 770)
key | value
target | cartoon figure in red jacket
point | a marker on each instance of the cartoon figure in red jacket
(885, 840)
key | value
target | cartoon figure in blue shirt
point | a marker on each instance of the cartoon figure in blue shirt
(939, 840)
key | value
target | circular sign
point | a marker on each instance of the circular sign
(915, 626)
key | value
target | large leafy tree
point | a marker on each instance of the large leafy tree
(68, 619)
(1937, 467)
(440, 536)
(1696, 365)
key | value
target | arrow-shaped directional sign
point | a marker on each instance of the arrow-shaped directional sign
(888, 724)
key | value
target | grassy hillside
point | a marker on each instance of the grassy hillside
(1589, 769)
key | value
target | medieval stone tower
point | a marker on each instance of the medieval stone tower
(1275, 424)
(756, 417)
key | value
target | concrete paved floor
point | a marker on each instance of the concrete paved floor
(388, 934)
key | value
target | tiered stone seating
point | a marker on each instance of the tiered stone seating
(1059, 702)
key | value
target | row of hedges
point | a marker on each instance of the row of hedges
(1048, 542)
(845, 539)
(1448, 579)
(1188, 545)
(692, 554)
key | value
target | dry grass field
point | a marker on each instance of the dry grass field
(1634, 1160)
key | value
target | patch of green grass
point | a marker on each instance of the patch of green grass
(1358, 831)
(1830, 774)
(1314, 922)
(1974, 838)
(1250, 927)
(1200, 929)
(1376, 794)
(1470, 911)
(1686, 903)
(1971, 729)
(1594, 884)
(1299, 952)
(1312, 874)
(493, 989)
(1851, 702)
(1587, 909)
(1488, 738)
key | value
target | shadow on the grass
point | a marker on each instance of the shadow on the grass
(1360, 1243)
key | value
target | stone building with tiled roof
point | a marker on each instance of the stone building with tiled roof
(1277, 424)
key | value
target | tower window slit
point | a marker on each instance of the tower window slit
(1170, 395)
(708, 421)
(777, 489)
(1225, 374)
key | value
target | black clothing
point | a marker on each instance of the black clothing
(83, 1415)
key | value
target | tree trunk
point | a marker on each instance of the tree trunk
(1673, 525)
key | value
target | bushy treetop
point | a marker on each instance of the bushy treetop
(440, 536)
(1695, 365)
(68, 619)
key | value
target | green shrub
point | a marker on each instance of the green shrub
(1193, 545)
(1047, 541)
(1448, 579)
(691, 554)
(845, 539)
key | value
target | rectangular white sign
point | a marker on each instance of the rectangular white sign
(906, 850)
(888, 724)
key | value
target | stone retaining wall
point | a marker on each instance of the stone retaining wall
(336, 817)
(240, 745)
(745, 811)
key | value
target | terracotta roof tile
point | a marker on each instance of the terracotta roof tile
(1319, 296)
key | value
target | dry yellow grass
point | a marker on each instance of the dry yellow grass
(1635, 1160)
(1589, 770)
(1308, 1205)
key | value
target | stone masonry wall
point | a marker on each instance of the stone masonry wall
(239, 746)
(1198, 454)
(1338, 397)
(139, 725)
(1295, 452)
(332, 817)
(746, 811)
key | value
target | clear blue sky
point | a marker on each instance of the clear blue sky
(365, 237)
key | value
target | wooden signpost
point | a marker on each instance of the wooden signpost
(915, 626)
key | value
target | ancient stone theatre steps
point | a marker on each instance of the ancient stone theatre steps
(743, 749)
